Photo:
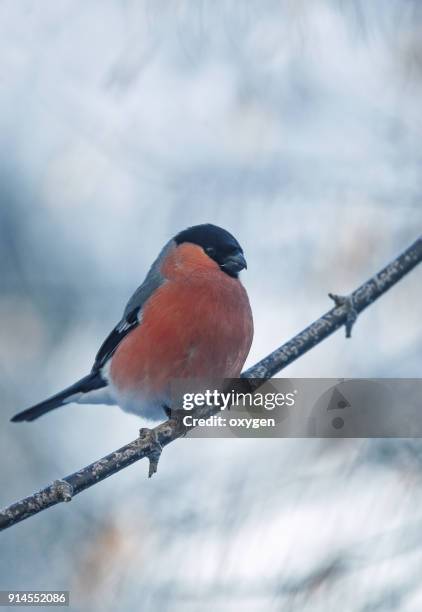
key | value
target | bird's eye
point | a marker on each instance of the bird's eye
(210, 251)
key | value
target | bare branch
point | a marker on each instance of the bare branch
(151, 442)
(323, 327)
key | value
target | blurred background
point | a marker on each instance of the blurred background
(295, 125)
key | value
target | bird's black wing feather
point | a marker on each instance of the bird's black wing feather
(114, 338)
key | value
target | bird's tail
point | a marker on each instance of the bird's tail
(91, 382)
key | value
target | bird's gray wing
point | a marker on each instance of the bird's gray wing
(133, 311)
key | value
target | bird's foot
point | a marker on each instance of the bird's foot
(154, 450)
(352, 314)
(177, 417)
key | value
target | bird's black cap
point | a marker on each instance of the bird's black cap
(218, 243)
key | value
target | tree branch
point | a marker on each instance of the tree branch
(151, 442)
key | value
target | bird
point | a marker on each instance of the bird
(190, 318)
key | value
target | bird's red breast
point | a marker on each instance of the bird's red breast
(197, 324)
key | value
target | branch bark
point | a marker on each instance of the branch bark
(151, 442)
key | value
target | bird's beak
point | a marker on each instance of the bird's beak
(235, 263)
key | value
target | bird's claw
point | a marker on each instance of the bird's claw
(352, 314)
(177, 416)
(155, 448)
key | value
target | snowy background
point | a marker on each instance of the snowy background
(295, 125)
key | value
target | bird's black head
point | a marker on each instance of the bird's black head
(218, 244)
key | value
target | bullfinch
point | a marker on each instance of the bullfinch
(190, 318)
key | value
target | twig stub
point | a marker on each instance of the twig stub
(153, 450)
(351, 312)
